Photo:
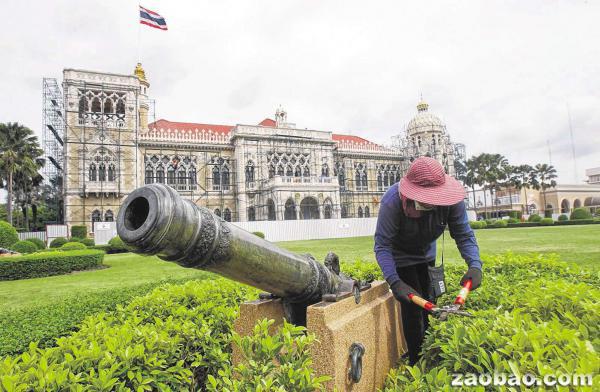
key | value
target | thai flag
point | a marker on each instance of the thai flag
(152, 19)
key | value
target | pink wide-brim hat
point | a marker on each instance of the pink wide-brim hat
(427, 182)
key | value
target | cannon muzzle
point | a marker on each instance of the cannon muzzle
(156, 220)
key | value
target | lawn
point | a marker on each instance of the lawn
(577, 244)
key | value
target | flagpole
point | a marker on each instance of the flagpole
(139, 38)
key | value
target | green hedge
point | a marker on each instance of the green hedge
(24, 247)
(500, 223)
(116, 245)
(58, 242)
(45, 323)
(475, 225)
(38, 243)
(73, 246)
(563, 218)
(48, 263)
(534, 218)
(8, 235)
(79, 231)
(88, 241)
(580, 213)
(523, 224)
(577, 222)
(547, 222)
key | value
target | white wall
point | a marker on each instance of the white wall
(311, 229)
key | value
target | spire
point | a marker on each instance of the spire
(422, 106)
(140, 73)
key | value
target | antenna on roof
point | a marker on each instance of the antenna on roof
(572, 144)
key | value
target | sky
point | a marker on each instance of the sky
(502, 75)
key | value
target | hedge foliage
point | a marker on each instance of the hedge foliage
(478, 225)
(116, 245)
(534, 218)
(8, 235)
(47, 322)
(79, 231)
(48, 263)
(72, 245)
(500, 223)
(38, 243)
(24, 247)
(580, 213)
(58, 242)
(547, 222)
(563, 217)
(88, 241)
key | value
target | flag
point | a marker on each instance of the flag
(152, 19)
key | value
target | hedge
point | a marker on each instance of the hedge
(48, 263)
(8, 235)
(79, 231)
(523, 224)
(24, 247)
(73, 246)
(88, 241)
(58, 242)
(116, 245)
(40, 244)
(563, 218)
(478, 225)
(580, 213)
(500, 223)
(534, 218)
(46, 323)
(547, 222)
(577, 222)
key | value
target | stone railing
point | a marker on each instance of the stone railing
(362, 147)
(192, 136)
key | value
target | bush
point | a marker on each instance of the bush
(75, 239)
(79, 231)
(116, 245)
(548, 214)
(500, 223)
(24, 247)
(48, 263)
(513, 220)
(489, 222)
(547, 222)
(577, 222)
(8, 235)
(87, 241)
(524, 224)
(580, 213)
(259, 234)
(563, 218)
(478, 225)
(45, 323)
(40, 244)
(534, 218)
(58, 242)
(73, 246)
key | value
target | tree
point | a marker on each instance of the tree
(545, 176)
(522, 180)
(20, 158)
(470, 177)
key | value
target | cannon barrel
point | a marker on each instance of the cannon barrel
(154, 219)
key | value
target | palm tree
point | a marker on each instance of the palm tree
(522, 180)
(20, 155)
(545, 178)
(470, 177)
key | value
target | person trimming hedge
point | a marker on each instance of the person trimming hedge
(413, 214)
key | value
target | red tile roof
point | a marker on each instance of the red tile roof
(349, 138)
(267, 122)
(185, 126)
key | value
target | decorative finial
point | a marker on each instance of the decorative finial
(139, 72)
(422, 106)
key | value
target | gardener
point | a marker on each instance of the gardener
(412, 215)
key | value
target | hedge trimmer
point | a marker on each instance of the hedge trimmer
(443, 312)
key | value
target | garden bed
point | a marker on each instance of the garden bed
(42, 264)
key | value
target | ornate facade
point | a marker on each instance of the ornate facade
(272, 170)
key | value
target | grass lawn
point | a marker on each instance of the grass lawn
(572, 243)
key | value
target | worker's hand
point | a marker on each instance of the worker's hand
(401, 291)
(475, 275)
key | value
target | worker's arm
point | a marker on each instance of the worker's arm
(387, 226)
(458, 223)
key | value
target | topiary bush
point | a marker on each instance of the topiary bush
(534, 218)
(8, 235)
(563, 218)
(500, 223)
(40, 244)
(87, 241)
(259, 234)
(116, 245)
(58, 242)
(580, 213)
(73, 246)
(48, 263)
(79, 231)
(547, 222)
(513, 220)
(24, 247)
(478, 225)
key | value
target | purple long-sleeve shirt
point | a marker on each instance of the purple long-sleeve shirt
(402, 241)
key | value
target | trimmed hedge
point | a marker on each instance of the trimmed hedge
(48, 263)
(37, 242)
(524, 224)
(577, 222)
(475, 225)
(116, 245)
(79, 231)
(24, 247)
(534, 218)
(580, 213)
(500, 223)
(73, 246)
(513, 220)
(547, 222)
(58, 242)
(563, 218)
(88, 241)
(8, 235)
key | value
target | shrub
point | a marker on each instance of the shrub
(524, 224)
(489, 222)
(259, 234)
(577, 222)
(116, 245)
(48, 263)
(40, 244)
(58, 242)
(8, 235)
(548, 214)
(73, 246)
(547, 222)
(79, 231)
(478, 225)
(534, 218)
(513, 220)
(75, 239)
(87, 241)
(563, 218)
(500, 223)
(278, 360)
(580, 213)
(24, 247)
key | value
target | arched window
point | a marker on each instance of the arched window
(341, 175)
(290, 210)
(327, 209)
(217, 212)
(111, 172)
(92, 172)
(577, 203)
(102, 172)
(121, 106)
(216, 177)
(227, 214)
(109, 216)
(309, 208)
(250, 172)
(361, 178)
(306, 171)
(171, 175)
(160, 174)
(298, 172)
(280, 170)
(379, 180)
(96, 105)
(325, 170)
(192, 176)
(251, 214)
(344, 211)
(565, 207)
(367, 212)
(108, 106)
(289, 171)
(271, 170)
(271, 214)
(149, 175)
(360, 212)
(83, 106)
(225, 178)
(96, 217)
(181, 177)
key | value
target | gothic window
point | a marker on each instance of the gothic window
(419, 141)
(271, 170)
(306, 171)
(171, 175)
(216, 178)
(325, 170)
(96, 105)
(193, 179)
(96, 217)
(379, 180)
(92, 173)
(83, 106)
(108, 106)
(217, 212)
(341, 175)
(251, 214)
(360, 212)
(290, 210)
(111, 172)
(361, 177)
(160, 174)
(367, 212)
(149, 175)
(109, 216)
(250, 172)
(227, 214)
(344, 211)
(102, 172)
(280, 170)
(120, 106)
(181, 176)
(327, 209)
(289, 171)
(271, 215)
(298, 171)
(225, 178)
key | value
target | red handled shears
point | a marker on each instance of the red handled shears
(443, 312)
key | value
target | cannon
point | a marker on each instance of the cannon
(350, 319)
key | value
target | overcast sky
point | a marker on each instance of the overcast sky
(501, 74)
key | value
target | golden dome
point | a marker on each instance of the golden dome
(139, 72)
(422, 106)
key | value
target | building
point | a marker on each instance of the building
(593, 175)
(272, 170)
